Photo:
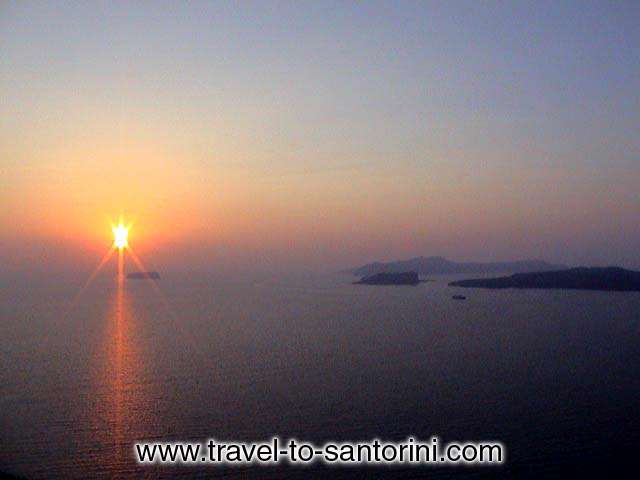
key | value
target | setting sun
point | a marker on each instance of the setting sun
(120, 235)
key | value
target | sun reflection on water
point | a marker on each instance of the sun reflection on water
(124, 405)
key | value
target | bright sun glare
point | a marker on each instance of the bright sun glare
(120, 234)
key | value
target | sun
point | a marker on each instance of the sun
(120, 235)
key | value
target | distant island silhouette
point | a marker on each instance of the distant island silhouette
(440, 265)
(143, 275)
(386, 278)
(581, 278)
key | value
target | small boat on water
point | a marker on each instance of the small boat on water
(459, 297)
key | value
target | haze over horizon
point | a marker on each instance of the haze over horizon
(319, 136)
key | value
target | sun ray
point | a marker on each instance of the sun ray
(92, 276)
(188, 335)
(142, 268)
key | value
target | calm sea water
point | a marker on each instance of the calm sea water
(552, 374)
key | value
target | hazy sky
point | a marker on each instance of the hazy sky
(320, 134)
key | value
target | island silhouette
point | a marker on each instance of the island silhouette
(385, 278)
(441, 265)
(143, 276)
(580, 278)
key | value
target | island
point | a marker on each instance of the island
(386, 278)
(443, 266)
(143, 276)
(580, 278)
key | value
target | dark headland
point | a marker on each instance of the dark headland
(386, 278)
(143, 275)
(581, 278)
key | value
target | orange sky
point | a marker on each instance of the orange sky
(276, 140)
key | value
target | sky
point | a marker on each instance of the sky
(319, 135)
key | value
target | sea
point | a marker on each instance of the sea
(85, 373)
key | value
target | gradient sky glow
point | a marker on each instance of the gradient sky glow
(320, 135)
